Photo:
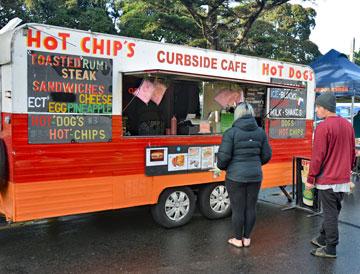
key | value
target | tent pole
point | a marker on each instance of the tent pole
(353, 96)
(352, 109)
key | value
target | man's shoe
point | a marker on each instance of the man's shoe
(318, 243)
(321, 252)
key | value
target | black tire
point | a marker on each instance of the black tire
(4, 172)
(181, 200)
(213, 207)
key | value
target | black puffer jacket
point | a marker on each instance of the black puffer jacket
(243, 150)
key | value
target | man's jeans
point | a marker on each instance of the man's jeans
(331, 205)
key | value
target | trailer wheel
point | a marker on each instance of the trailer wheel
(4, 173)
(175, 208)
(214, 202)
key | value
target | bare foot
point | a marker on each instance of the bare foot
(246, 242)
(235, 242)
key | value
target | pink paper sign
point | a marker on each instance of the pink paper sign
(159, 91)
(228, 97)
(145, 91)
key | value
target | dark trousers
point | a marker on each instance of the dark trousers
(331, 205)
(243, 198)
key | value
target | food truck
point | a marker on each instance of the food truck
(93, 122)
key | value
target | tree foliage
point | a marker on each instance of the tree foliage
(154, 20)
(81, 14)
(266, 28)
(273, 29)
(10, 9)
(357, 57)
(283, 33)
(213, 20)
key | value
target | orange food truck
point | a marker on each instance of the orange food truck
(93, 122)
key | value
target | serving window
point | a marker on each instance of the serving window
(153, 105)
(145, 114)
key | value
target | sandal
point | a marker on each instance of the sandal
(233, 242)
(246, 242)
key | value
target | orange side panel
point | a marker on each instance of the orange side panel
(121, 157)
(46, 199)
(7, 201)
(36, 200)
(277, 174)
(49, 199)
(49, 180)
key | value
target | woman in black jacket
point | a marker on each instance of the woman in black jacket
(243, 150)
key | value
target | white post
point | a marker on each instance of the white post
(352, 49)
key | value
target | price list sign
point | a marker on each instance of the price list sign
(69, 98)
(288, 103)
(58, 129)
(287, 128)
(256, 99)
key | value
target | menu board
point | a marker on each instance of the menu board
(69, 98)
(180, 159)
(256, 98)
(287, 128)
(48, 129)
(288, 103)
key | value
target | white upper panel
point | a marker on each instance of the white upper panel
(130, 54)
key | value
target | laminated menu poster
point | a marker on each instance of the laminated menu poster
(157, 156)
(207, 157)
(194, 157)
(177, 162)
(160, 160)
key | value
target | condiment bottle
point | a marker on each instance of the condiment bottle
(173, 125)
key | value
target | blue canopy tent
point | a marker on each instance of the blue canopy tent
(334, 72)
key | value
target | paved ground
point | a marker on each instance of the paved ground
(128, 241)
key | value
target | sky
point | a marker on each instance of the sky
(337, 23)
